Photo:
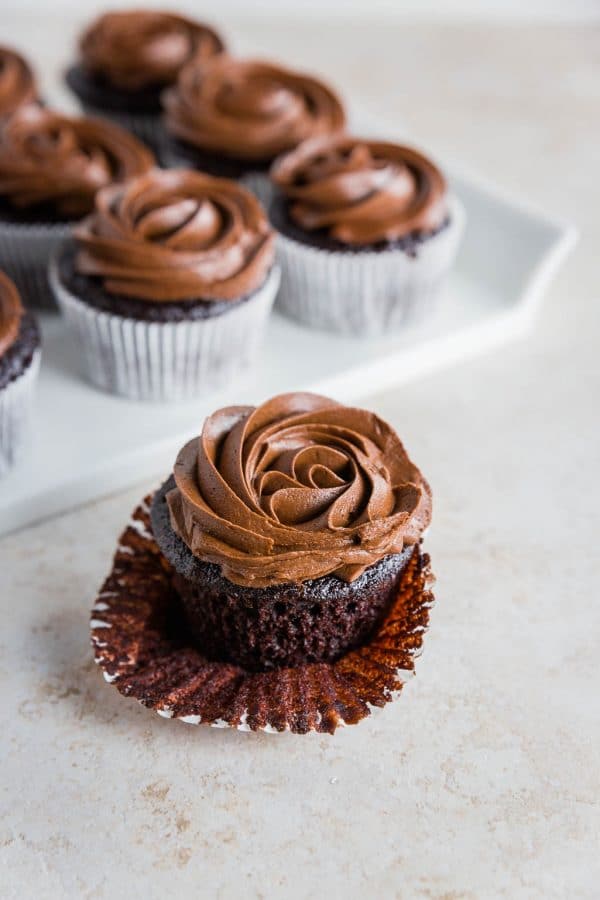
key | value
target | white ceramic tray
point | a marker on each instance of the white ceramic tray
(88, 444)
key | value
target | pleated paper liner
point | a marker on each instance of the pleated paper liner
(140, 644)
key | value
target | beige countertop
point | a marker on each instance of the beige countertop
(483, 780)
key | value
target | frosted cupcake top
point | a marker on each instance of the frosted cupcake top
(11, 312)
(47, 158)
(361, 191)
(135, 49)
(17, 82)
(249, 110)
(295, 489)
(176, 235)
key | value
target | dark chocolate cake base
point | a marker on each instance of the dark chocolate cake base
(95, 91)
(90, 290)
(319, 238)
(282, 625)
(19, 355)
(217, 164)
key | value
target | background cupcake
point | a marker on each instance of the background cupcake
(289, 526)
(19, 365)
(51, 166)
(232, 117)
(367, 233)
(168, 284)
(127, 58)
(17, 82)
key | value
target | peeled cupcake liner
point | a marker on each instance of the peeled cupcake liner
(148, 127)
(142, 649)
(362, 293)
(25, 251)
(16, 400)
(166, 361)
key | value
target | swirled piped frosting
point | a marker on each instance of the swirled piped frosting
(175, 235)
(49, 158)
(17, 82)
(11, 311)
(249, 110)
(361, 191)
(295, 489)
(135, 49)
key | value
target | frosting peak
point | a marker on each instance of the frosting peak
(295, 489)
(249, 110)
(361, 191)
(135, 49)
(176, 235)
(17, 83)
(11, 311)
(46, 157)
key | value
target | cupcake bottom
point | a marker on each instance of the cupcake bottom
(364, 292)
(19, 368)
(146, 359)
(279, 626)
(254, 176)
(25, 250)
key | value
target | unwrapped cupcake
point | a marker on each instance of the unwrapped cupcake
(232, 117)
(17, 82)
(168, 284)
(128, 57)
(19, 365)
(367, 232)
(51, 166)
(289, 527)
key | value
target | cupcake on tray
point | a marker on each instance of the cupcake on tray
(51, 166)
(277, 580)
(19, 365)
(232, 117)
(17, 82)
(127, 58)
(168, 284)
(367, 232)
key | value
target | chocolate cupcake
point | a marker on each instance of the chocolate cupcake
(51, 166)
(232, 117)
(289, 527)
(17, 82)
(168, 284)
(127, 58)
(367, 232)
(19, 365)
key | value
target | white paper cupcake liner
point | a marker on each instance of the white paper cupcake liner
(25, 251)
(365, 293)
(16, 401)
(147, 127)
(166, 361)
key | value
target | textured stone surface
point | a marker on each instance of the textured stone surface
(483, 780)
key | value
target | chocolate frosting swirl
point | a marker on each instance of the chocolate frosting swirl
(49, 158)
(17, 82)
(295, 489)
(135, 49)
(361, 191)
(249, 110)
(175, 235)
(11, 312)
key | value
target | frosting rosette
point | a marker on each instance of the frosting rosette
(49, 158)
(135, 49)
(17, 82)
(11, 312)
(295, 489)
(361, 191)
(176, 235)
(249, 110)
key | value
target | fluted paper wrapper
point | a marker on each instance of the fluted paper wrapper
(364, 293)
(25, 251)
(143, 649)
(147, 127)
(16, 401)
(166, 361)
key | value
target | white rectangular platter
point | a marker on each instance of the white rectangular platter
(87, 444)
